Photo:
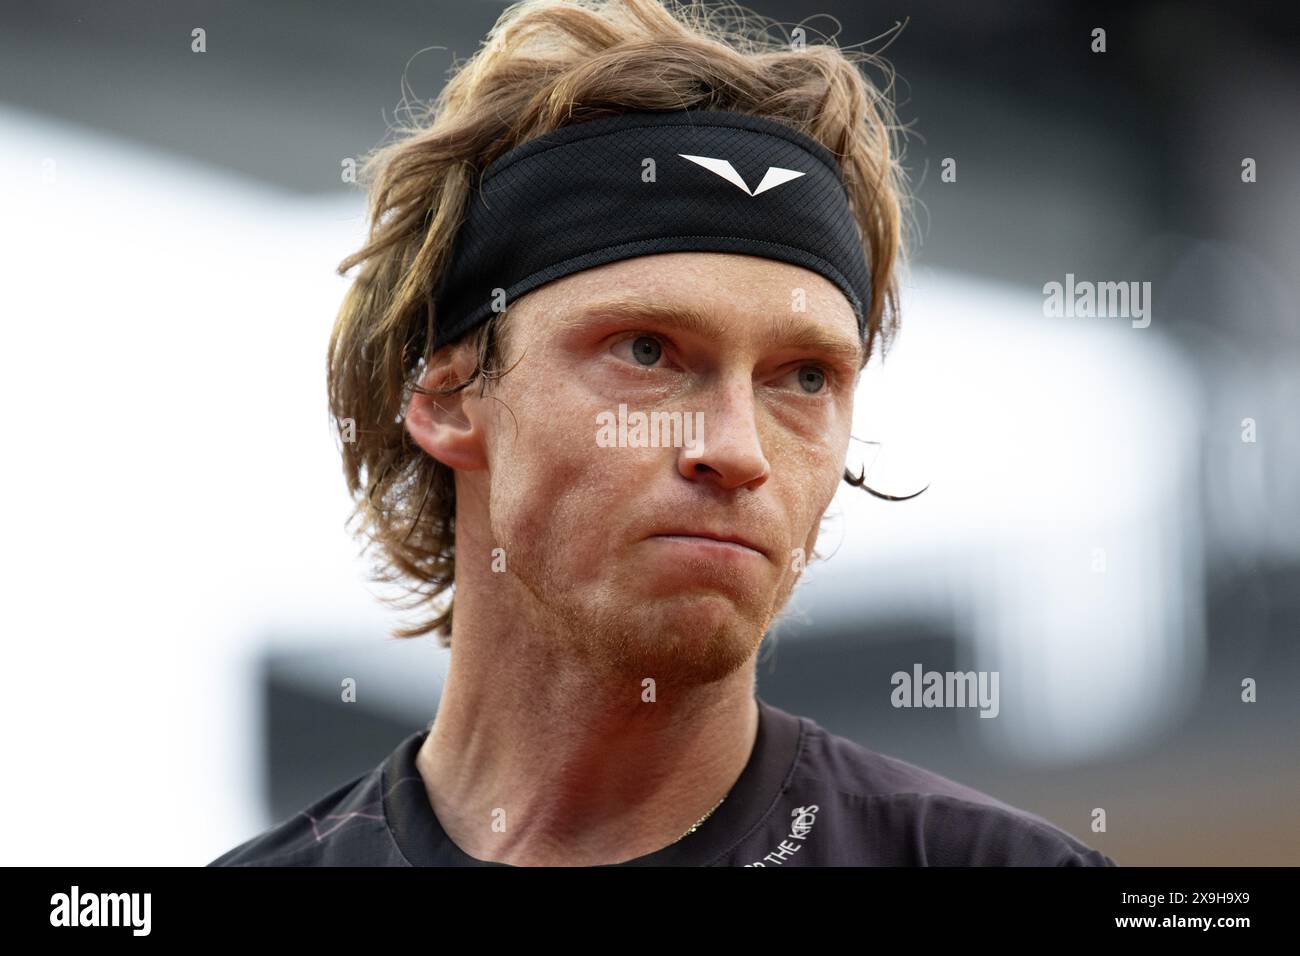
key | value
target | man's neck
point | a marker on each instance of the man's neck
(573, 769)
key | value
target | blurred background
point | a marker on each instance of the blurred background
(1113, 522)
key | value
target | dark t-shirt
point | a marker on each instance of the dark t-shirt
(806, 797)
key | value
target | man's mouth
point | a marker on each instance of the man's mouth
(735, 541)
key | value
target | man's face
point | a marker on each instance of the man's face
(599, 538)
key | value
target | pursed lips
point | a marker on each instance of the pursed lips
(713, 536)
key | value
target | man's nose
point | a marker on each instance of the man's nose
(725, 448)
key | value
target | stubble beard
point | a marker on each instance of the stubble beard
(625, 637)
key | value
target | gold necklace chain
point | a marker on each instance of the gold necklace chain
(696, 825)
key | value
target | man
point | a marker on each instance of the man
(691, 255)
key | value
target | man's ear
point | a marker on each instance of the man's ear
(448, 427)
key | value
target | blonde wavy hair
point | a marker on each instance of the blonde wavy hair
(544, 65)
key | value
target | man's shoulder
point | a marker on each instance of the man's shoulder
(917, 816)
(346, 827)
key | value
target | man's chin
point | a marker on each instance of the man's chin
(685, 644)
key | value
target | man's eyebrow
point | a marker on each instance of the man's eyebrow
(789, 330)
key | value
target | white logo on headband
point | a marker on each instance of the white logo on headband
(774, 176)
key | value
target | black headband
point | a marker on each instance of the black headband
(582, 196)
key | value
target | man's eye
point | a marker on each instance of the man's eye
(646, 349)
(812, 378)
